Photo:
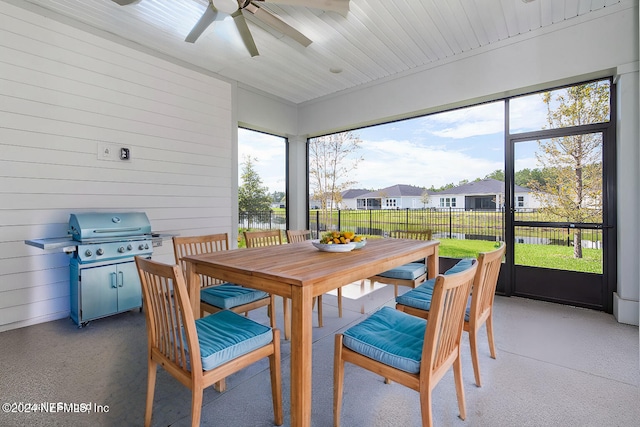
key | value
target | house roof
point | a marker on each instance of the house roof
(486, 186)
(353, 193)
(398, 190)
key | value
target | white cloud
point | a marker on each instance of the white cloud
(527, 113)
(391, 162)
(486, 119)
(269, 151)
(427, 151)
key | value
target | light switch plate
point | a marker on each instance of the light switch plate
(113, 152)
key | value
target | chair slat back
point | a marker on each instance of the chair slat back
(485, 282)
(256, 239)
(196, 245)
(295, 236)
(170, 322)
(446, 319)
(415, 235)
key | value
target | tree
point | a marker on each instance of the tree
(425, 197)
(330, 162)
(252, 196)
(497, 174)
(278, 197)
(572, 165)
(532, 178)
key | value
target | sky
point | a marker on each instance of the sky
(433, 150)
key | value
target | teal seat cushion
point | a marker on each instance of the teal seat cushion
(225, 335)
(410, 271)
(228, 295)
(390, 337)
(419, 297)
(461, 265)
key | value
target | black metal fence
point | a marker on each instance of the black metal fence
(444, 223)
(264, 220)
(451, 223)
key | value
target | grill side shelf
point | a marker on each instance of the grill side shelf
(67, 244)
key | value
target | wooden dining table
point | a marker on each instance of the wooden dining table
(300, 272)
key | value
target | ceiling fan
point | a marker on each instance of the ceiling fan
(235, 8)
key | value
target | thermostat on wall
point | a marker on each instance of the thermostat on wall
(124, 153)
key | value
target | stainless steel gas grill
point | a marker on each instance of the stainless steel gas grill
(103, 276)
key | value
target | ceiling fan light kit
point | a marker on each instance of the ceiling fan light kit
(226, 6)
(126, 2)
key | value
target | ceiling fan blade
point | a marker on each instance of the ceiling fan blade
(243, 28)
(277, 23)
(125, 2)
(205, 20)
(340, 6)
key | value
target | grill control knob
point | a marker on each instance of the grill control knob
(88, 252)
(129, 247)
(146, 246)
(121, 249)
(100, 251)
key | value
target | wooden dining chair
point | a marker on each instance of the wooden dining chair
(409, 350)
(195, 352)
(479, 309)
(216, 295)
(295, 236)
(411, 234)
(256, 239)
(411, 274)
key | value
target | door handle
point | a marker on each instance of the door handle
(114, 280)
(120, 279)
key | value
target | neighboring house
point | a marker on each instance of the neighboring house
(395, 197)
(314, 203)
(487, 194)
(349, 198)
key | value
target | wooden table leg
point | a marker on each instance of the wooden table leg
(301, 339)
(433, 263)
(193, 289)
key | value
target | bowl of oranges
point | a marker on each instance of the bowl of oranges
(339, 241)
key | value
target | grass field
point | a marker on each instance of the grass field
(547, 256)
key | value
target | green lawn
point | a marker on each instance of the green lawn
(548, 256)
(559, 257)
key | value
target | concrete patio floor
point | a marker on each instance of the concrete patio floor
(556, 366)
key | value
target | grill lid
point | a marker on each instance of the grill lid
(104, 225)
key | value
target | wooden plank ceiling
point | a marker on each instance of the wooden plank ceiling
(378, 39)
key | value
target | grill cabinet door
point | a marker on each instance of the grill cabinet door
(99, 292)
(109, 289)
(129, 290)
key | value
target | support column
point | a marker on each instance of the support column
(625, 300)
(297, 179)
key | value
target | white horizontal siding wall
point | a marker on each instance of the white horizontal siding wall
(63, 93)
